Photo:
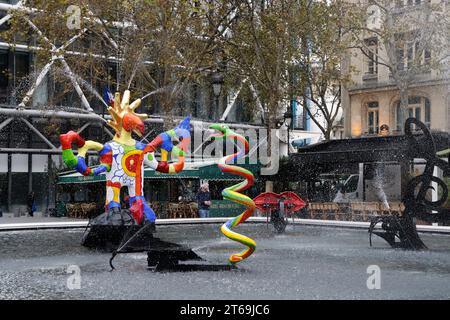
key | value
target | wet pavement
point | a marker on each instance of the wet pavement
(36, 219)
(304, 263)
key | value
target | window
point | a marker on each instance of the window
(402, 3)
(372, 118)
(427, 56)
(418, 107)
(21, 66)
(411, 47)
(412, 2)
(448, 113)
(410, 52)
(400, 59)
(14, 67)
(427, 113)
(352, 184)
(371, 56)
(4, 62)
(298, 121)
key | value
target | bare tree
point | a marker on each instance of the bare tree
(261, 47)
(320, 63)
(283, 50)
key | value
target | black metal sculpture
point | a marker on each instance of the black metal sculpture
(400, 230)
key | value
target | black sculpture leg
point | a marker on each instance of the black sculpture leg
(408, 235)
(389, 233)
(403, 228)
(399, 232)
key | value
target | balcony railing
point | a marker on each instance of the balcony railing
(373, 82)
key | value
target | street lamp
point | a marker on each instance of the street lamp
(286, 121)
(217, 81)
(288, 118)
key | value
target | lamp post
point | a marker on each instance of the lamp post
(217, 81)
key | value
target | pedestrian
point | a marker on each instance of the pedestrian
(204, 200)
(31, 204)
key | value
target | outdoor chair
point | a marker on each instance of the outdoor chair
(172, 211)
(181, 210)
(156, 208)
(332, 210)
(343, 213)
(316, 210)
(193, 209)
(184, 211)
(357, 210)
(87, 210)
(74, 210)
(396, 208)
(323, 211)
(312, 210)
(371, 209)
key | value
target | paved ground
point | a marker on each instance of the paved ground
(24, 219)
(304, 263)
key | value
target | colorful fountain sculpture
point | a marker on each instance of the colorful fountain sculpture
(233, 193)
(121, 160)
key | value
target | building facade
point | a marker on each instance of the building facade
(372, 100)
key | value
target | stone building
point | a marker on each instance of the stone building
(372, 98)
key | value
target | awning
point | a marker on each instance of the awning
(300, 135)
(209, 172)
(78, 178)
(301, 138)
(336, 155)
